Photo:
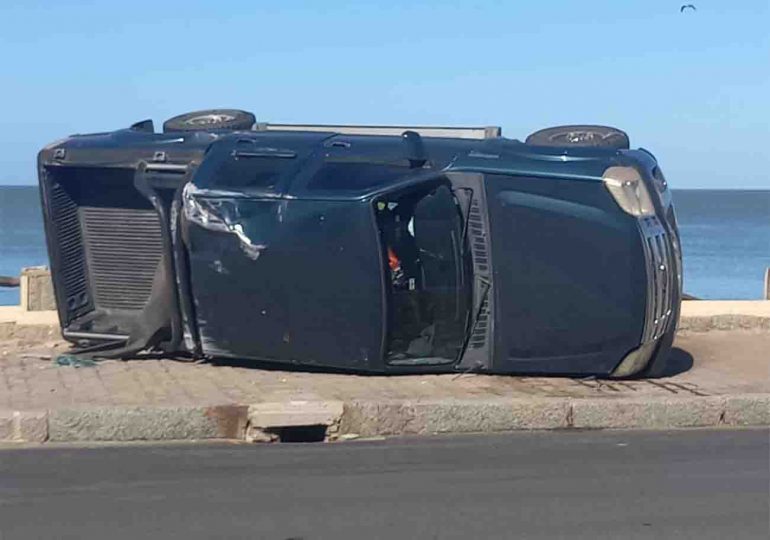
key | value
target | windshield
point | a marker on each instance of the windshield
(427, 273)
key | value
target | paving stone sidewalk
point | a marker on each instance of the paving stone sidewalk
(705, 367)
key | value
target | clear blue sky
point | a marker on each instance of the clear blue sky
(692, 87)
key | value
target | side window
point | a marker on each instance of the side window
(429, 291)
(353, 176)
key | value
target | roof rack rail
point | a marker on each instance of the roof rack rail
(485, 132)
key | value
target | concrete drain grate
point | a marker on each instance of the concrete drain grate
(294, 421)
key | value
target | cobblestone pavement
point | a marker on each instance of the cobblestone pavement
(713, 363)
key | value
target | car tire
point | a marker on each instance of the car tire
(580, 135)
(232, 119)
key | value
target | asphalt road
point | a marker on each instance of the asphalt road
(687, 484)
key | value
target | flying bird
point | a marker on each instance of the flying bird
(687, 6)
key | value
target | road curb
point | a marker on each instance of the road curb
(23, 426)
(453, 416)
(261, 422)
(707, 323)
(124, 424)
(747, 410)
(666, 413)
(29, 332)
(147, 423)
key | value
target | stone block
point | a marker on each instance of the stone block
(36, 292)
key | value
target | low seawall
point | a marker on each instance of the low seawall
(38, 307)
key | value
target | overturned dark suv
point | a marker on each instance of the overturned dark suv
(366, 248)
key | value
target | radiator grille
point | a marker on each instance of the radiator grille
(124, 247)
(479, 336)
(660, 278)
(478, 238)
(480, 250)
(68, 241)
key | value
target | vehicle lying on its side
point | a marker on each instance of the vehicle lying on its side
(379, 249)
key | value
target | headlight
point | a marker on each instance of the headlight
(627, 188)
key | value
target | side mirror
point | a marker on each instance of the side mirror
(145, 126)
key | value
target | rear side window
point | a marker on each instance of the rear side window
(250, 164)
(346, 176)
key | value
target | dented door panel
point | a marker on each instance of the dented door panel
(225, 240)
(285, 280)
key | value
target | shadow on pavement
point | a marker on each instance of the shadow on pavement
(678, 362)
(265, 365)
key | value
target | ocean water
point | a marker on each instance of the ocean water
(725, 240)
(22, 241)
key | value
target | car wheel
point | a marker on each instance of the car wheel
(580, 135)
(210, 119)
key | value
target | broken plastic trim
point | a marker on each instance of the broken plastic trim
(635, 361)
(202, 213)
(94, 335)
